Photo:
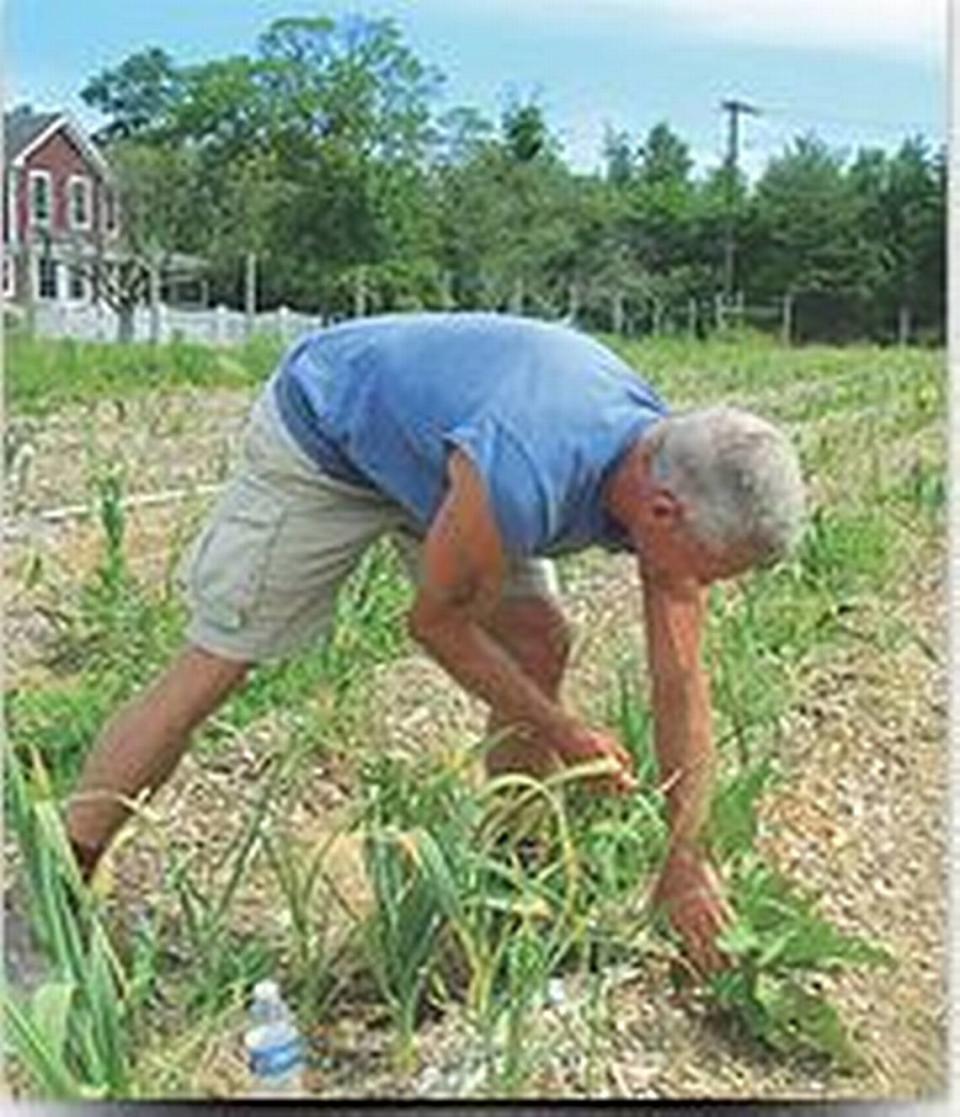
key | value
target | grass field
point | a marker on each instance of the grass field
(329, 826)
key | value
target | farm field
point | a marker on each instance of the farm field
(329, 827)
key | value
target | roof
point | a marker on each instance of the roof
(21, 127)
(24, 130)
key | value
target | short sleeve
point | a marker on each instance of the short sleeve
(518, 498)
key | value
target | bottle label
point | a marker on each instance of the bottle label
(277, 1058)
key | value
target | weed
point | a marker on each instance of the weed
(777, 940)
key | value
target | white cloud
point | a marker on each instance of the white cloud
(902, 25)
(890, 26)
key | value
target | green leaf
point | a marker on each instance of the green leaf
(34, 1051)
(739, 939)
(733, 812)
(799, 1018)
(50, 1012)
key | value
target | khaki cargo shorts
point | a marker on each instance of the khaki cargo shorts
(262, 576)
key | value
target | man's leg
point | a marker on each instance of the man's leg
(140, 747)
(535, 633)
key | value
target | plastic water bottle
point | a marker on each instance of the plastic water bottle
(274, 1048)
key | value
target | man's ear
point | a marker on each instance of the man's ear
(665, 508)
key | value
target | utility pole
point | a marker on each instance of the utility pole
(734, 108)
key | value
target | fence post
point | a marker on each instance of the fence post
(786, 328)
(692, 317)
(903, 326)
(219, 324)
(250, 293)
(283, 321)
(573, 302)
(516, 296)
(153, 277)
(617, 311)
(446, 291)
(718, 310)
(657, 317)
(360, 294)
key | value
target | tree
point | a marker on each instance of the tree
(619, 163)
(903, 218)
(321, 150)
(524, 131)
(664, 159)
(806, 214)
(137, 95)
(161, 208)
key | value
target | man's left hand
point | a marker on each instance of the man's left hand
(692, 895)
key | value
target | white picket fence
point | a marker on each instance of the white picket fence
(214, 326)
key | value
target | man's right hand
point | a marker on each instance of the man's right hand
(581, 745)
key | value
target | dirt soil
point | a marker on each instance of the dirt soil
(859, 818)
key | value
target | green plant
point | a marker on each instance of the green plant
(74, 1037)
(44, 374)
(778, 940)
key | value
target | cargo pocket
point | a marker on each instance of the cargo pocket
(229, 562)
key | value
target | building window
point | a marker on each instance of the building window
(79, 194)
(110, 201)
(77, 285)
(46, 278)
(41, 199)
(9, 286)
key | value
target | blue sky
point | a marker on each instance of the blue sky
(857, 71)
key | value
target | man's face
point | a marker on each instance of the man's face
(660, 528)
(668, 549)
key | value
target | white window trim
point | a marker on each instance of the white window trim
(9, 276)
(13, 179)
(71, 270)
(57, 281)
(84, 181)
(34, 223)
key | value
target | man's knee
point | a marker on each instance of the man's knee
(198, 682)
(216, 669)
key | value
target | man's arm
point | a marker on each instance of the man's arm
(463, 568)
(675, 620)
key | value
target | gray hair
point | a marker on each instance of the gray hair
(737, 474)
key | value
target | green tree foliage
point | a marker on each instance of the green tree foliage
(325, 151)
(136, 95)
(806, 222)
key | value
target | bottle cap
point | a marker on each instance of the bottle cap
(266, 991)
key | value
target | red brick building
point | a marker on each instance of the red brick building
(59, 204)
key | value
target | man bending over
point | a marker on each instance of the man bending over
(485, 445)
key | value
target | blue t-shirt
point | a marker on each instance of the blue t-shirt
(543, 412)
